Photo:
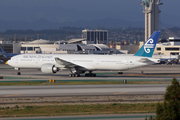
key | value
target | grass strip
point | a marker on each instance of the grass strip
(59, 110)
(22, 83)
(79, 82)
(6, 68)
(7, 77)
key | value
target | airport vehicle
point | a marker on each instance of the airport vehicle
(79, 64)
(6, 56)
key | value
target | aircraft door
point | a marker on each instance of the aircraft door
(16, 61)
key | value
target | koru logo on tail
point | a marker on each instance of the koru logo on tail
(149, 44)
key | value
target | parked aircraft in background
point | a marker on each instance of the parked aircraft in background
(167, 59)
(79, 64)
(6, 56)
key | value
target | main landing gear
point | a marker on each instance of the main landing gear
(74, 75)
(86, 75)
(75, 72)
(90, 75)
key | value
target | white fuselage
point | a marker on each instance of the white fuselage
(90, 62)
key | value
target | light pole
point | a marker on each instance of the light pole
(129, 43)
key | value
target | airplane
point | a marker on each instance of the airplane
(79, 64)
(6, 56)
(167, 59)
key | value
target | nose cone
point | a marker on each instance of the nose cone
(8, 62)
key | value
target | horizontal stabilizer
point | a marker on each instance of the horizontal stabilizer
(148, 60)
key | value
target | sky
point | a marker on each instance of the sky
(169, 5)
(72, 10)
(100, 5)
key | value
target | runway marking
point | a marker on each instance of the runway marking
(11, 95)
(119, 93)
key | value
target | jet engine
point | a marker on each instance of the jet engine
(49, 68)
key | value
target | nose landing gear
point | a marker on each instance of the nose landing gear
(18, 73)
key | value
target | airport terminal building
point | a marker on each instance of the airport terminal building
(170, 46)
(92, 42)
(95, 36)
(62, 47)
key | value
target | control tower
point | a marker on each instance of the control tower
(151, 10)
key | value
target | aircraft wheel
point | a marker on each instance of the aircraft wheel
(86, 75)
(91, 75)
(94, 75)
(18, 73)
(76, 75)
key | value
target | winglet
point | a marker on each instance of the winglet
(148, 48)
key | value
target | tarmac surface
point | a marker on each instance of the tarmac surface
(69, 90)
(81, 90)
(153, 72)
(148, 73)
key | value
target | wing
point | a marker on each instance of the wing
(68, 64)
(64, 63)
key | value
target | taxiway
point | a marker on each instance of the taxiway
(81, 90)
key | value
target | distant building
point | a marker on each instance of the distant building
(168, 47)
(61, 42)
(39, 46)
(3, 41)
(62, 47)
(6, 45)
(95, 36)
(77, 41)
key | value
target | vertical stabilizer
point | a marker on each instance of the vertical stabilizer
(2, 51)
(147, 49)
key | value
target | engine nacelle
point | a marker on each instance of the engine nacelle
(49, 68)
